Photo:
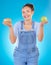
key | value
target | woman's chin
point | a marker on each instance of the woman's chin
(26, 18)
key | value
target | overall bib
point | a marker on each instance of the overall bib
(27, 52)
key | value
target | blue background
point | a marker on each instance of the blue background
(12, 9)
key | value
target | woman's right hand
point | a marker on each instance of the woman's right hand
(7, 22)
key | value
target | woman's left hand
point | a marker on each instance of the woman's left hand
(44, 22)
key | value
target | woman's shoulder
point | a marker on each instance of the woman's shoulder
(36, 23)
(17, 24)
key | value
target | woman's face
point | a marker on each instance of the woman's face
(27, 13)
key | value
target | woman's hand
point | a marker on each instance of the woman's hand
(42, 23)
(7, 22)
(43, 20)
(41, 31)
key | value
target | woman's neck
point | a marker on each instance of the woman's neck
(28, 21)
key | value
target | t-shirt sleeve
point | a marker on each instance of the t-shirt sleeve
(37, 27)
(16, 29)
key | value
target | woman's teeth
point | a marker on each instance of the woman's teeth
(25, 16)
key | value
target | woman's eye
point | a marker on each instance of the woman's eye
(23, 12)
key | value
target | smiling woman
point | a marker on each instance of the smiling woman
(26, 31)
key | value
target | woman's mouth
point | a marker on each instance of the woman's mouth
(26, 16)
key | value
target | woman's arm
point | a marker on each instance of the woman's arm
(41, 30)
(8, 23)
(12, 36)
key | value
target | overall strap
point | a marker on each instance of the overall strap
(21, 25)
(32, 25)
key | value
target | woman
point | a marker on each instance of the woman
(26, 31)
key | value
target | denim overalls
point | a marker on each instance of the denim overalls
(27, 52)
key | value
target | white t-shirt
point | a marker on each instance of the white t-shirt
(17, 28)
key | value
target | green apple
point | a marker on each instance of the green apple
(44, 19)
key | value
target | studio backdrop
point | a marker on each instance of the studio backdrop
(13, 9)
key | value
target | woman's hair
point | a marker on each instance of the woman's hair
(29, 5)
